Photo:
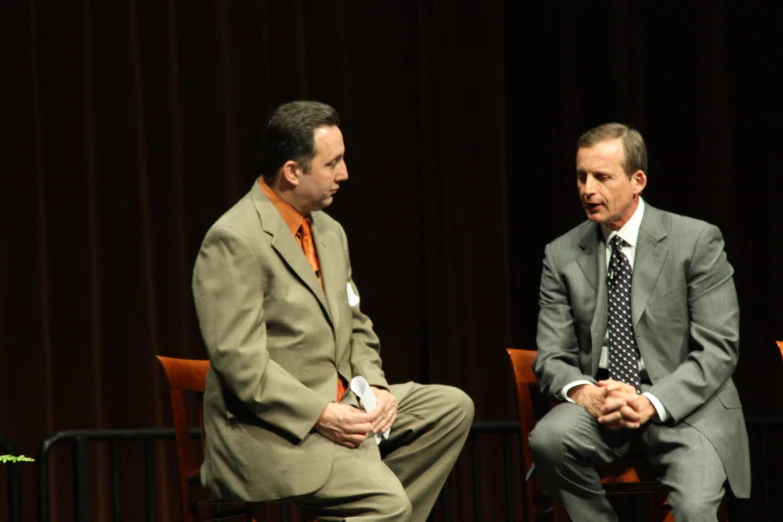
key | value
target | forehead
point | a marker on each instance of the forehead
(328, 141)
(604, 154)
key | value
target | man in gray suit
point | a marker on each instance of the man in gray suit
(279, 313)
(638, 336)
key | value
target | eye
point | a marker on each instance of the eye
(332, 164)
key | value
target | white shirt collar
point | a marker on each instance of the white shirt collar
(630, 231)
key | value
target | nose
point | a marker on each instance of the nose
(342, 174)
(588, 185)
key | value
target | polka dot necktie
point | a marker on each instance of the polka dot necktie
(623, 351)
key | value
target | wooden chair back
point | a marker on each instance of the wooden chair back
(190, 375)
(524, 378)
(629, 475)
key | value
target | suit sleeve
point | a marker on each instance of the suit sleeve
(228, 290)
(713, 330)
(365, 345)
(557, 362)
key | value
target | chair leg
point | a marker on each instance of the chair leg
(560, 514)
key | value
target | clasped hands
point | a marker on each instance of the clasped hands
(614, 404)
(349, 426)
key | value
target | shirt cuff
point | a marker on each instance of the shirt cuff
(662, 415)
(563, 395)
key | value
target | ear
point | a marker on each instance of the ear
(291, 172)
(639, 181)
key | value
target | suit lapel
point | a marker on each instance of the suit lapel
(651, 252)
(286, 246)
(589, 261)
(332, 261)
(593, 265)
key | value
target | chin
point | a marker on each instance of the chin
(324, 203)
(594, 217)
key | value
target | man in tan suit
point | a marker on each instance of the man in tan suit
(279, 313)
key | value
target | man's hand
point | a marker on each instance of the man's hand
(623, 407)
(344, 424)
(590, 397)
(385, 411)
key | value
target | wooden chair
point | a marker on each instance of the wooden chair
(190, 375)
(625, 476)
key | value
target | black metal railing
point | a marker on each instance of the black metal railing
(81, 465)
(12, 472)
(508, 430)
(765, 425)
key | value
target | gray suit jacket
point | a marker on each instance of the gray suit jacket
(276, 342)
(685, 316)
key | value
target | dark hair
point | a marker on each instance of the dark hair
(633, 144)
(289, 135)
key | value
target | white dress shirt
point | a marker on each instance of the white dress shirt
(630, 234)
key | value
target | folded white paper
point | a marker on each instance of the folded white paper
(361, 388)
(353, 297)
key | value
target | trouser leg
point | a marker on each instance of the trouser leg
(360, 488)
(432, 424)
(567, 444)
(689, 465)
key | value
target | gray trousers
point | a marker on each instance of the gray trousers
(568, 442)
(399, 480)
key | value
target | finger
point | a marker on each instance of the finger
(623, 395)
(361, 428)
(610, 418)
(611, 405)
(353, 441)
(623, 422)
(390, 404)
(629, 415)
(618, 387)
(630, 390)
(391, 415)
(385, 420)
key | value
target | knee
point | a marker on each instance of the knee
(397, 506)
(463, 404)
(547, 443)
(685, 508)
(460, 407)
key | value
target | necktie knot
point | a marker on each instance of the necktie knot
(304, 229)
(617, 243)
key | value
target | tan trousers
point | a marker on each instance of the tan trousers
(400, 479)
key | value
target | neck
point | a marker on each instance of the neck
(627, 215)
(286, 192)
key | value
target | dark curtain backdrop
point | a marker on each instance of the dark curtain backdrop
(130, 126)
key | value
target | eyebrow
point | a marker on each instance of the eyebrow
(594, 172)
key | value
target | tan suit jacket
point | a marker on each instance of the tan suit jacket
(276, 341)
